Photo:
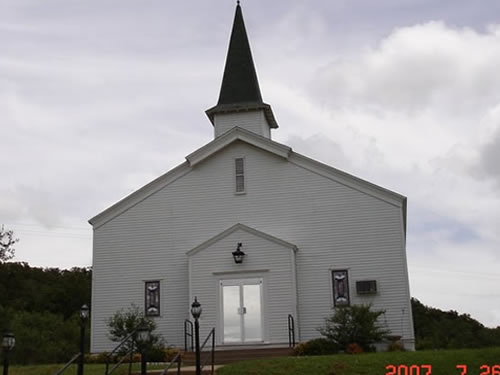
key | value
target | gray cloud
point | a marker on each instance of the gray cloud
(490, 157)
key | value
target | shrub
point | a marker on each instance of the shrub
(123, 323)
(354, 349)
(319, 346)
(395, 347)
(354, 324)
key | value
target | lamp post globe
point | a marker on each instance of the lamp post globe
(142, 334)
(8, 341)
(196, 309)
(84, 312)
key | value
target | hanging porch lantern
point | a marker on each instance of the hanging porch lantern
(238, 255)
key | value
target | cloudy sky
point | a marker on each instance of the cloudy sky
(97, 98)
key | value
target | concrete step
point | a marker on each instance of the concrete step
(236, 355)
(189, 370)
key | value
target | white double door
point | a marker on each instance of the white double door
(241, 308)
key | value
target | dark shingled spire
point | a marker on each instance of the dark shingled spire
(240, 87)
(240, 82)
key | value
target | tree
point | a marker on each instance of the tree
(7, 242)
(355, 324)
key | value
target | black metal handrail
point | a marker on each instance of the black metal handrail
(117, 364)
(188, 323)
(115, 350)
(69, 363)
(291, 331)
(177, 359)
(212, 351)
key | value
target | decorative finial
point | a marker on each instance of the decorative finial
(238, 2)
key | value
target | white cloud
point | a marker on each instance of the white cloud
(416, 115)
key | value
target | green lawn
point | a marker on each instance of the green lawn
(441, 362)
(92, 369)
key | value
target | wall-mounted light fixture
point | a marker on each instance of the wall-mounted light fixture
(238, 255)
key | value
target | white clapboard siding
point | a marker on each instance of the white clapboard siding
(254, 121)
(334, 226)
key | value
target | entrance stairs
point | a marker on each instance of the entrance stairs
(225, 356)
(231, 355)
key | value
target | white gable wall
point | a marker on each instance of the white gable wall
(264, 259)
(334, 226)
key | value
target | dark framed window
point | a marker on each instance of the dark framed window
(152, 298)
(240, 175)
(340, 281)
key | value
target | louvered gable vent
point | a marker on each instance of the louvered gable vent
(240, 176)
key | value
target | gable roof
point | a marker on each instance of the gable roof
(238, 134)
(245, 228)
(265, 144)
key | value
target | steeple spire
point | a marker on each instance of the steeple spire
(240, 91)
(240, 82)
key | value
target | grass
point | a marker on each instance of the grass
(442, 362)
(90, 369)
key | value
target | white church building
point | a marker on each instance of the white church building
(255, 231)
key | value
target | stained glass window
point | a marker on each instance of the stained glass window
(340, 282)
(152, 300)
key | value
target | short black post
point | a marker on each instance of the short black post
(197, 339)
(82, 345)
(6, 363)
(196, 312)
(84, 314)
(143, 361)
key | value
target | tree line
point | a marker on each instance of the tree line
(41, 307)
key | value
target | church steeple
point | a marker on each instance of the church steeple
(240, 82)
(240, 101)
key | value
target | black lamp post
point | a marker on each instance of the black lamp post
(8, 342)
(238, 255)
(196, 312)
(84, 315)
(142, 340)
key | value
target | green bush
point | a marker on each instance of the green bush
(355, 324)
(319, 346)
(124, 322)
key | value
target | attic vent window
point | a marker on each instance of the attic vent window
(366, 287)
(240, 176)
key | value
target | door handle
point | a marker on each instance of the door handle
(242, 310)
